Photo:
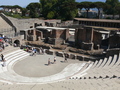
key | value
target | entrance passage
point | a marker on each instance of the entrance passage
(17, 42)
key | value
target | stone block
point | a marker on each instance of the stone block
(49, 52)
(72, 56)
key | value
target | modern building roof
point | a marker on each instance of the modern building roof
(97, 20)
(103, 28)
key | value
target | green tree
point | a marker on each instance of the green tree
(24, 11)
(68, 10)
(34, 9)
(50, 15)
(87, 6)
(100, 6)
(117, 7)
(48, 6)
(62, 9)
(112, 9)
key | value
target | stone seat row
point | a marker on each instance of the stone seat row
(107, 66)
(84, 84)
(91, 84)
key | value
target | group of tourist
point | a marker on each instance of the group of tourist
(4, 43)
(54, 62)
(34, 50)
(49, 62)
(39, 51)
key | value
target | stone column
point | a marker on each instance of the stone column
(76, 36)
(67, 34)
(26, 34)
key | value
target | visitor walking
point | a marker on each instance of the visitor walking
(42, 51)
(65, 59)
(33, 52)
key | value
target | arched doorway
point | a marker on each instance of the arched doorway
(17, 43)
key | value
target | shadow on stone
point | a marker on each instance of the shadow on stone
(62, 61)
(46, 64)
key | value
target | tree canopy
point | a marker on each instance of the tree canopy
(11, 7)
(60, 9)
(100, 6)
(34, 9)
(87, 5)
(111, 9)
(117, 7)
(66, 9)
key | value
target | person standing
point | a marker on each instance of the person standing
(40, 51)
(2, 57)
(54, 60)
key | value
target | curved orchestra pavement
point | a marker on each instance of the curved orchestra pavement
(23, 68)
(36, 66)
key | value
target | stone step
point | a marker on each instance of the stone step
(9, 49)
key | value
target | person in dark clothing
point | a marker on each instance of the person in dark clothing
(2, 57)
(65, 59)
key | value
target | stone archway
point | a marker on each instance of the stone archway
(17, 42)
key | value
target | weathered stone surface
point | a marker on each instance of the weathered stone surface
(74, 50)
(72, 56)
(38, 44)
(60, 47)
(95, 52)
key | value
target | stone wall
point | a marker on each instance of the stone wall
(22, 24)
(84, 37)
(114, 41)
(97, 39)
(58, 36)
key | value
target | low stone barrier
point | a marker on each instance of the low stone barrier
(49, 52)
(60, 54)
(67, 55)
